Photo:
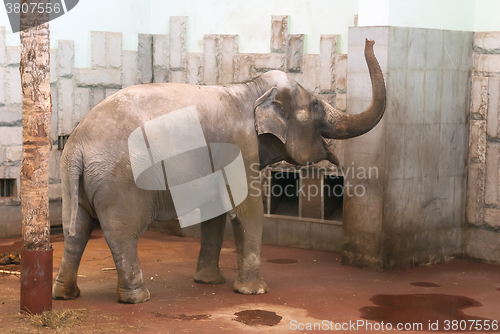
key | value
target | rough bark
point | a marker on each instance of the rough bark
(37, 109)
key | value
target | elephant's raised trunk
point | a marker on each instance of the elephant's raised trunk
(342, 126)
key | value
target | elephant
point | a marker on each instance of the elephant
(270, 118)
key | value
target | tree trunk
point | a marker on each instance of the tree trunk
(36, 256)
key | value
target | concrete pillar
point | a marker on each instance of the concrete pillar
(279, 31)
(229, 48)
(194, 68)
(129, 69)
(145, 59)
(2, 46)
(295, 53)
(245, 69)
(211, 60)
(483, 188)
(413, 207)
(328, 51)
(178, 53)
(161, 50)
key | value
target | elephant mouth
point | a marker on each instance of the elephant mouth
(330, 155)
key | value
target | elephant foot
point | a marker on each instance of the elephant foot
(136, 296)
(209, 276)
(65, 291)
(255, 287)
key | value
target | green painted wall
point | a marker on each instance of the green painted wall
(251, 19)
(467, 15)
(487, 15)
(434, 14)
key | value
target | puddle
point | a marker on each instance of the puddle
(184, 316)
(282, 261)
(258, 318)
(423, 309)
(426, 284)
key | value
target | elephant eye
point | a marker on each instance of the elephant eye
(316, 105)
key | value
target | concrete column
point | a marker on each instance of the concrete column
(295, 53)
(129, 69)
(229, 48)
(2, 46)
(178, 53)
(245, 69)
(145, 59)
(328, 51)
(161, 50)
(483, 200)
(211, 59)
(194, 68)
(413, 210)
(279, 31)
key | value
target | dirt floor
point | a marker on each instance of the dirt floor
(307, 288)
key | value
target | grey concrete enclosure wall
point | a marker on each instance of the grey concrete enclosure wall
(414, 212)
(160, 58)
(431, 180)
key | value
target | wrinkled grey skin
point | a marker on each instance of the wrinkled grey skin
(270, 118)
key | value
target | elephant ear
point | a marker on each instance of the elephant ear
(269, 116)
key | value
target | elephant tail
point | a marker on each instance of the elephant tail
(72, 163)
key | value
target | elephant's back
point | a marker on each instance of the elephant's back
(133, 106)
(110, 123)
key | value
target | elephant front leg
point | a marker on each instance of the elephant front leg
(212, 235)
(247, 227)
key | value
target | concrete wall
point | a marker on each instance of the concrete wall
(483, 201)
(414, 213)
(159, 58)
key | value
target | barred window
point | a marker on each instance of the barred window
(7, 187)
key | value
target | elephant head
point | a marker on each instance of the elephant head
(293, 124)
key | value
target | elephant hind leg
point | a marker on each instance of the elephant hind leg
(212, 235)
(121, 230)
(65, 285)
(131, 288)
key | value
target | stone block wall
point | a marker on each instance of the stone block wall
(159, 58)
(414, 211)
(483, 190)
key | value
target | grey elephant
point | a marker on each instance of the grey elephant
(270, 118)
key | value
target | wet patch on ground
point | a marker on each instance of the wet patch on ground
(282, 261)
(258, 318)
(184, 317)
(424, 309)
(425, 284)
